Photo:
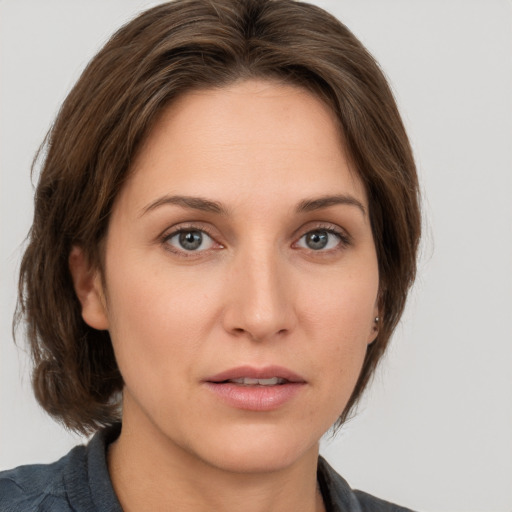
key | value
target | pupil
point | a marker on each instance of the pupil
(316, 240)
(191, 240)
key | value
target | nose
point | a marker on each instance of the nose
(259, 297)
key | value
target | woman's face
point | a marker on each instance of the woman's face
(241, 278)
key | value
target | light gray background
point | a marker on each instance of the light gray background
(435, 431)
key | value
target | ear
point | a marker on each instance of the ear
(374, 330)
(89, 289)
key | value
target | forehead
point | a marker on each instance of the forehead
(251, 138)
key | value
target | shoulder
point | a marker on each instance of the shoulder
(78, 482)
(340, 497)
(372, 504)
(38, 486)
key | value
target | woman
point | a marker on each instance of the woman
(225, 232)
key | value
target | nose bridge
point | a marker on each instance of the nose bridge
(259, 300)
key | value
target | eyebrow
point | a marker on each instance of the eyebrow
(309, 205)
(209, 206)
(193, 203)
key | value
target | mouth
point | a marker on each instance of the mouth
(249, 381)
(251, 376)
(256, 389)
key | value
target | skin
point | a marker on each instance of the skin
(254, 293)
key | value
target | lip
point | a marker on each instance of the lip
(255, 398)
(266, 372)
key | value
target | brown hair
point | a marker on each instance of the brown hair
(161, 54)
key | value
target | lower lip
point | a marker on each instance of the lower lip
(255, 398)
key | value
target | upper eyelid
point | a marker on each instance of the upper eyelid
(343, 240)
(318, 226)
(172, 232)
(175, 232)
(187, 226)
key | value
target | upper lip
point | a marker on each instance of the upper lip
(266, 372)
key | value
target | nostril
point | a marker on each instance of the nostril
(240, 331)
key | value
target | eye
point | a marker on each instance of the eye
(320, 239)
(190, 240)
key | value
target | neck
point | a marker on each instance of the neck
(149, 472)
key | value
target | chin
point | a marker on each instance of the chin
(255, 461)
(257, 450)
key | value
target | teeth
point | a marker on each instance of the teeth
(248, 381)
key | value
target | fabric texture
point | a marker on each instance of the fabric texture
(80, 482)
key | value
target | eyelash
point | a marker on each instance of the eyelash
(187, 229)
(344, 239)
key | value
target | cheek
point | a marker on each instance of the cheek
(343, 304)
(339, 321)
(157, 319)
